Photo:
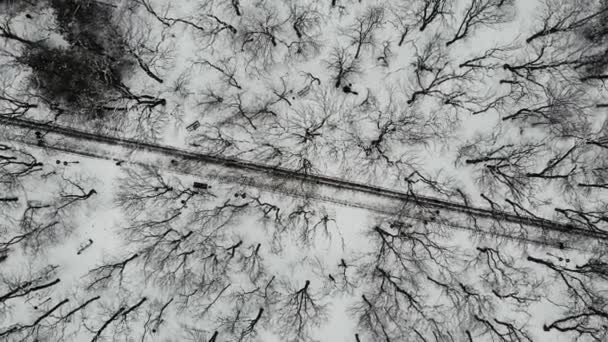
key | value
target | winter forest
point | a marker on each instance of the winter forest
(304, 170)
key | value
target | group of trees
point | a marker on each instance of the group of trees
(195, 265)
(135, 38)
(80, 62)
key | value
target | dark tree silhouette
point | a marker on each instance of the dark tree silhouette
(430, 10)
(482, 13)
(363, 32)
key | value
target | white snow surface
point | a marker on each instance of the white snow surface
(161, 260)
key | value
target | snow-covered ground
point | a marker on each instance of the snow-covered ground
(493, 103)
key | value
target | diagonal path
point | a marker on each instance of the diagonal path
(272, 178)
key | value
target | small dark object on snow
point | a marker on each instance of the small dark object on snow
(203, 186)
(3, 255)
(84, 246)
(399, 225)
(8, 199)
(348, 89)
(173, 162)
(28, 16)
(65, 163)
(193, 126)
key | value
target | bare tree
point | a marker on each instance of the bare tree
(306, 23)
(52, 318)
(102, 276)
(260, 38)
(402, 20)
(342, 65)
(253, 111)
(23, 286)
(299, 312)
(156, 315)
(585, 308)
(14, 101)
(505, 165)
(115, 318)
(207, 24)
(482, 13)
(548, 61)
(226, 68)
(590, 217)
(429, 10)
(311, 224)
(16, 163)
(144, 189)
(562, 18)
(562, 111)
(490, 59)
(362, 33)
(7, 32)
(501, 274)
(377, 139)
(44, 223)
(433, 76)
(215, 140)
(153, 54)
(393, 304)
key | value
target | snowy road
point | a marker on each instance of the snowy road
(295, 184)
